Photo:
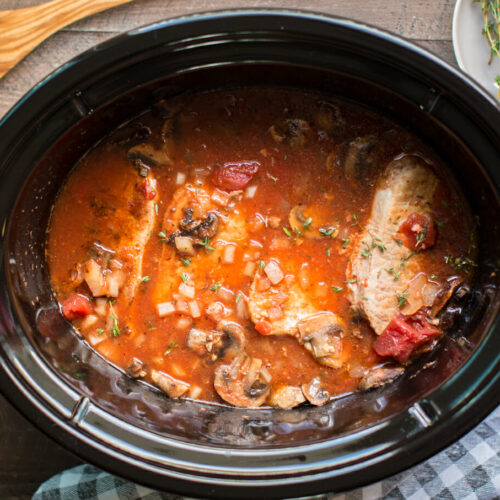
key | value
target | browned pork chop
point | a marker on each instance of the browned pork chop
(381, 267)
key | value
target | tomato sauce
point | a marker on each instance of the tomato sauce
(272, 165)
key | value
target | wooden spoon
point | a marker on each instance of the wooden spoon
(22, 30)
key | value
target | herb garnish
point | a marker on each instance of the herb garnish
(171, 347)
(402, 298)
(262, 265)
(460, 263)
(238, 297)
(215, 287)
(337, 289)
(115, 329)
(286, 231)
(145, 279)
(162, 235)
(421, 236)
(274, 179)
(307, 223)
(186, 262)
(490, 30)
(354, 280)
(184, 277)
(345, 242)
(326, 231)
(366, 252)
(205, 243)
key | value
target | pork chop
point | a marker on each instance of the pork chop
(381, 266)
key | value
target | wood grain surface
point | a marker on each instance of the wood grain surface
(27, 457)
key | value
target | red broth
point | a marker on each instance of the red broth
(249, 156)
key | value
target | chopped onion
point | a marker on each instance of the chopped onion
(195, 391)
(429, 292)
(88, 321)
(177, 370)
(225, 294)
(304, 279)
(220, 198)
(184, 245)
(92, 273)
(280, 243)
(101, 306)
(242, 308)
(187, 291)
(266, 376)
(165, 309)
(250, 191)
(249, 269)
(274, 272)
(95, 339)
(215, 311)
(114, 281)
(183, 323)
(194, 309)
(182, 306)
(181, 178)
(229, 252)
(414, 296)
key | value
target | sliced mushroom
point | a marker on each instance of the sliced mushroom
(229, 339)
(146, 155)
(329, 118)
(234, 337)
(171, 386)
(315, 393)
(321, 333)
(380, 376)
(200, 340)
(292, 131)
(445, 294)
(205, 228)
(243, 383)
(287, 397)
(131, 134)
(136, 368)
(208, 228)
(359, 158)
(296, 218)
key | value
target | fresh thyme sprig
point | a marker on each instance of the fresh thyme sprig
(491, 30)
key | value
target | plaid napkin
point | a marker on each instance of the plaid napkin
(467, 470)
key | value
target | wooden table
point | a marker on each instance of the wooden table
(27, 457)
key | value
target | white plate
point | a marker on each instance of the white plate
(470, 46)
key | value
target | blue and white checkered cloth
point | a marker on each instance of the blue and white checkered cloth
(467, 470)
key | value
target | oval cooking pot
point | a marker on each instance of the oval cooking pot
(130, 428)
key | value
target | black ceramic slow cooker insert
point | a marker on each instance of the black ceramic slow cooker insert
(200, 449)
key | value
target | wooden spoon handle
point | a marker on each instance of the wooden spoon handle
(22, 30)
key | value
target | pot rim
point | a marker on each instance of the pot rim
(424, 443)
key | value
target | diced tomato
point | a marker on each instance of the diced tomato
(76, 306)
(148, 188)
(403, 334)
(232, 176)
(418, 231)
(263, 327)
